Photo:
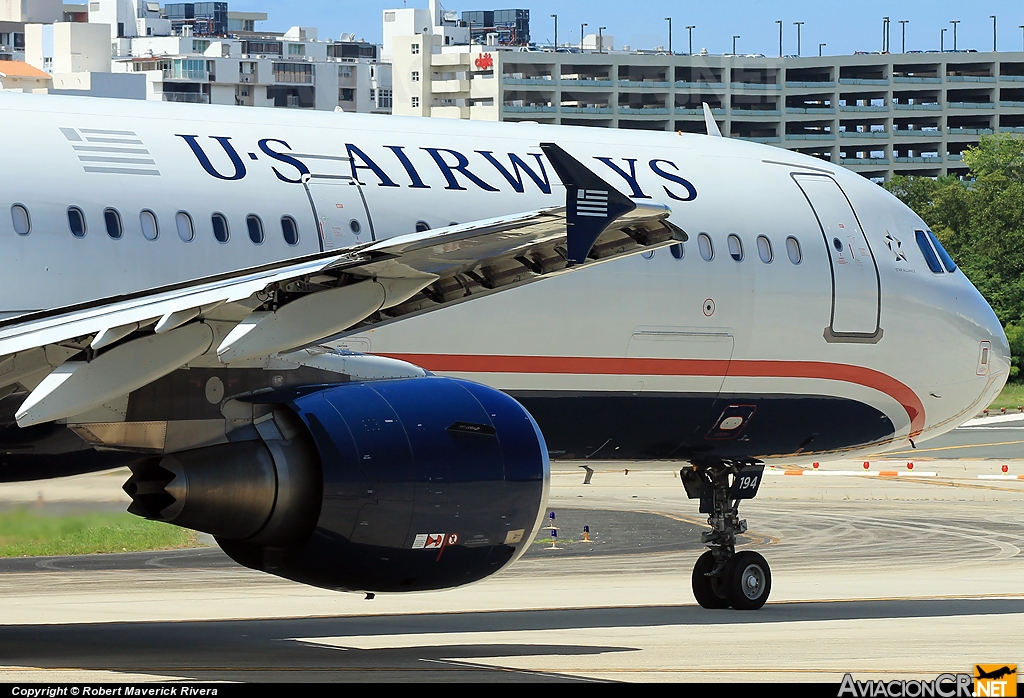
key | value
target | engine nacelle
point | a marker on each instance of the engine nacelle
(397, 485)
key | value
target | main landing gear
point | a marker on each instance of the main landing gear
(723, 577)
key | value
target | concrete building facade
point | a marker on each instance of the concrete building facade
(878, 114)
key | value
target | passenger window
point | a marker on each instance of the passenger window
(255, 225)
(150, 228)
(220, 227)
(354, 226)
(21, 220)
(947, 261)
(422, 226)
(76, 221)
(112, 219)
(793, 250)
(186, 230)
(707, 250)
(928, 252)
(764, 249)
(290, 230)
(677, 250)
(735, 247)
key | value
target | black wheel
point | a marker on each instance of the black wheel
(747, 581)
(709, 591)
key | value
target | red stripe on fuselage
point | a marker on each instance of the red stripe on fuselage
(586, 365)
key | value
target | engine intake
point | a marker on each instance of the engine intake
(396, 485)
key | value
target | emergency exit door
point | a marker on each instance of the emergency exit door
(856, 288)
(342, 217)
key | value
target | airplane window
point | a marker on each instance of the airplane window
(150, 228)
(113, 221)
(422, 226)
(354, 226)
(707, 250)
(220, 227)
(764, 249)
(677, 250)
(928, 252)
(20, 218)
(838, 244)
(649, 254)
(290, 230)
(76, 221)
(186, 230)
(255, 226)
(735, 247)
(947, 261)
(793, 250)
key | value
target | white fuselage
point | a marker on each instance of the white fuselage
(869, 324)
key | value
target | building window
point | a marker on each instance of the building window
(290, 230)
(293, 72)
(415, 76)
(220, 227)
(345, 71)
(186, 230)
(415, 102)
(415, 49)
(150, 228)
(113, 221)
(255, 226)
(346, 94)
(384, 99)
(76, 222)
(296, 49)
(21, 220)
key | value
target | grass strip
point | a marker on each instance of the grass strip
(25, 533)
(1011, 397)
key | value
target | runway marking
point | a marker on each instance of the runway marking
(950, 448)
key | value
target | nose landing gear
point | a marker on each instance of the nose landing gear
(722, 577)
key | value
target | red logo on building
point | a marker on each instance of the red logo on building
(484, 61)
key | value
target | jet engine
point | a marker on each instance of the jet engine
(392, 485)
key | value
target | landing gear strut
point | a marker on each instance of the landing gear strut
(722, 577)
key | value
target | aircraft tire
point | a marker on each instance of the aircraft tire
(708, 590)
(747, 581)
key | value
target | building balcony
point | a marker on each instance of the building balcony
(810, 136)
(683, 85)
(450, 59)
(955, 156)
(754, 85)
(587, 110)
(918, 81)
(972, 105)
(645, 111)
(645, 83)
(811, 85)
(187, 97)
(549, 82)
(970, 78)
(863, 81)
(971, 131)
(1011, 105)
(917, 107)
(187, 75)
(449, 86)
(760, 139)
(686, 111)
(450, 112)
(919, 160)
(810, 110)
(588, 83)
(529, 109)
(864, 134)
(863, 161)
(1011, 129)
(854, 107)
(917, 132)
(1012, 78)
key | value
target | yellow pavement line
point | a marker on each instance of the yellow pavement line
(949, 448)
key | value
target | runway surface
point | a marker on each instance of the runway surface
(885, 577)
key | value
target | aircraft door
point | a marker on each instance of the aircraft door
(856, 287)
(342, 216)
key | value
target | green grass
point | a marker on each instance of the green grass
(1010, 398)
(24, 533)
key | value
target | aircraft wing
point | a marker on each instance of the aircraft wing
(75, 358)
